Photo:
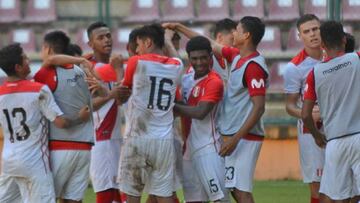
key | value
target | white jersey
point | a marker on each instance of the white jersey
(153, 79)
(24, 107)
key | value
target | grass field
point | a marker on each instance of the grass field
(286, 191)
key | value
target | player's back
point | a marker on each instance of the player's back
(24, 126)
(149, 110)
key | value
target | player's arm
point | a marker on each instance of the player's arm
(197, 112)
(124, 89)
(169, 47)
(67, 122)
(291, 105)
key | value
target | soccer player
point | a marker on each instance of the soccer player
(333, 84)
(69, 148)
(106, 151)
(311, 155)
(147, 158)
(26, 107)
(202, 90)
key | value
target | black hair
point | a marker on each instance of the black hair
(198, 43)
(58, 41)
(350, 43)
(224, 26)
(305, 18)
(10, 56)
(153, 31)
(74, 49)
(94, 26)
(255, 27)
(176, 36)
(332, 34)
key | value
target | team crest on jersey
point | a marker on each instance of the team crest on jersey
(196, 91)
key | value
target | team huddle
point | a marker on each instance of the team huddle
(65, 126)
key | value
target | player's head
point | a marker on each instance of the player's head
(131, 45)
(199, 52)
(350, 43)
(250, 30)
(100, 39)
(55, 42)
(149, 37)
(223, 31)
(74, 50)
(308, 27)
(332, 36)
(13, 61)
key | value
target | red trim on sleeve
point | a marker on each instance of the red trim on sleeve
(229, 53)
(47, 75)
(255, 78)
(106, 72)
(309, 93)
(220, 60)
(20, 86)
(130, 71)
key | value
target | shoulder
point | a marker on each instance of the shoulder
(299, 58)
(160, 59)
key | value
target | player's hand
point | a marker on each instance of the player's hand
(228, 146)
(316, 114)
(84, 113)
(171, 26)
(116, 61)
(320, 140)
(124, 93)
(95, 87)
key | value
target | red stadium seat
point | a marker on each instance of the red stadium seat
(120, 39)
(317, 7)
(212, 10)
(82, 40)
(248, 8)
(283, 10)
(271, 42)
(276, 77)
(351, 10)
(25, 37)
(9, 11)
(40, 11)
(178, 10)
(294, 43)
(143, 11)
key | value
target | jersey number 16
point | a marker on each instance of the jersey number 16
(160, 94)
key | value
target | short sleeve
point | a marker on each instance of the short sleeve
(255, 78)
(310, 93)
(229, 53)
(47, 76)
(213, 91)
(292, 79)
(47, 104)
(130, 71)
(106, 72)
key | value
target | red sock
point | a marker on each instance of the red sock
(104, 196)
(123, 197)
(314, 200)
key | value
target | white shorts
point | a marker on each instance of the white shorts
(341, 177)
(178, 164)
(71, 173)
(104, 164)
(312, 158)
(9, 190)
(204, 176)
(147, 162)
(240, 165)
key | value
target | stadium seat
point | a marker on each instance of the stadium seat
(178, 10)
(283, 10)
(9, 11)
(82, 40)
(294, 43)
(212, 10)
(120, 40)
(26, 37)
(271, 42)
(143, 11)
(351, 10)
(40, 11)
(276, 77)
(243, 8)
(317, 7)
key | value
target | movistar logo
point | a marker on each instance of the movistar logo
(257, 84)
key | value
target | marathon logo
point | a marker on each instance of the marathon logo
(336, 68)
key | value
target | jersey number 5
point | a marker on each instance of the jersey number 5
(25, 133)
(160, 94)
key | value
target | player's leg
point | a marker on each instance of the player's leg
(356, 170)
(41, 187)
(9, 190)
(192, 187)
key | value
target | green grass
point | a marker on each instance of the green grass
(285, 191)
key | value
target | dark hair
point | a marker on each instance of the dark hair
(224, 26)
(10, 56)
(58, 41)
(305, 18)
(350, 43)
(198, 43)
(176, 36)
(74, 49)
(332, 34)
(154, 31)
(255, 27)
(94, 26)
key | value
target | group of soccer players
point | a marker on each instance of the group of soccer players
(65, 126)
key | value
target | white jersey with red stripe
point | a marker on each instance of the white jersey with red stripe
(25, 106)
(153, 79)
(205, 89)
